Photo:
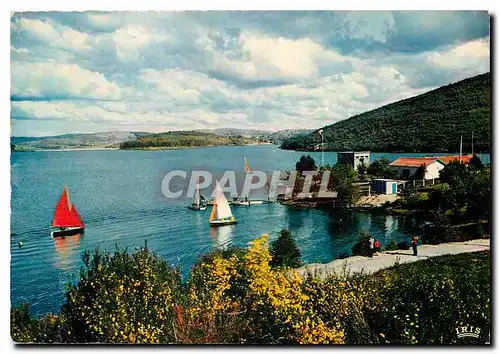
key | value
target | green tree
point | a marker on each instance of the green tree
(284, 251)
(362, 247)
(420, 172)
(380, 168)
(305, 163)
(410, 196)
(452, 172)
(475, 162)
(362, 170)
(342, 180)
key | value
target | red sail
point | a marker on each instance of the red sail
(66, 214)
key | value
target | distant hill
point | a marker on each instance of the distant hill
(431, 122)
(248, 133)
(282, 135)
(74, 141)
(254, 133)
(185, 139)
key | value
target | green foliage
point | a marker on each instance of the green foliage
(438, 231)
(362, 247)
(380, 168)
(429, 122)
(235, 297)
(26, 329)
(469, 191)
(420, 173)
(306, 163)
(475, 162)
(179, 139)
(123, 297)
(423, 302)
(362, 169)
(342, 180)
(284, 251)
(410, 197)
(391, 246)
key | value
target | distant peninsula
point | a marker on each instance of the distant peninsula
(187, 139)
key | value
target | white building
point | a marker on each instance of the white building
(355, 159)
(407, 166)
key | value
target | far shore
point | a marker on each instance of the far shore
(155, 148)
(76, 149)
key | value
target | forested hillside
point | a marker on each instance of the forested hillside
(431, 122)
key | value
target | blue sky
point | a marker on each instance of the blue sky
(158, 71)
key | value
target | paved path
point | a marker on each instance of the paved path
(387, 259)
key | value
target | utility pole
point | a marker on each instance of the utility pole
(322, 151)
(460, 149)
(473, 142)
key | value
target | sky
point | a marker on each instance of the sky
(85, 72)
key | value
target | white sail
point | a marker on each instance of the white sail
(223, 209)
(197, 196)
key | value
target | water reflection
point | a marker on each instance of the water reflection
(65, 248)
(222, 236)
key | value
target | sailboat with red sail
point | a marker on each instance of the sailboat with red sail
(66, 220)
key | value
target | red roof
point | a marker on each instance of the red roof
(413, 161)
(418, 161)
(447, 159)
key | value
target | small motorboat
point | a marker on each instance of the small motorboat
(221, 211)
(67, 221)
(241, 202)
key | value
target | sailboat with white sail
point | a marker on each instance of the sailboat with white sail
(198, 202)
(221, 211)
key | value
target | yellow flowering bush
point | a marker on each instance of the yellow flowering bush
(123, 298)
(237, 297)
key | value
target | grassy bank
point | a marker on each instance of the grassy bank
(237, 297)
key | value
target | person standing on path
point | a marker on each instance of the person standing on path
(414, 241)
(371, 240)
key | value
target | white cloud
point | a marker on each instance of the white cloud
(19, 50)
(131, 40)
(157, 72)
(52, 80)
(53, 35)
(471, 55)
(267, 58)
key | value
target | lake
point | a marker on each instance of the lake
(118, 194)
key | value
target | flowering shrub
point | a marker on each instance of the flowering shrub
(123, 298)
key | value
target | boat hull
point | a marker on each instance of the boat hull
(223, 222)
(250, 202)
(193, 207)
(69, 231)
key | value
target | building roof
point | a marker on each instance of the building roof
(447, 159)
(413, 161)
(427, 160)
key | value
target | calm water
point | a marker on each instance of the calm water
(118, 195)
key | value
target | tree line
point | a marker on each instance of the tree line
(431, 122)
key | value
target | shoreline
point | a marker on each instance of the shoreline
(74, 149)
(156, 148)
(387, 259)
(135, 149)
